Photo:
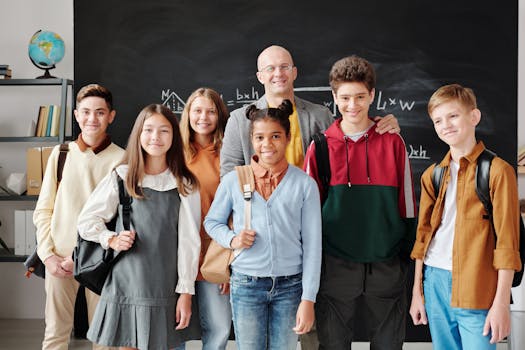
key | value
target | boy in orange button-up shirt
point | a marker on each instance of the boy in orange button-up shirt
(467, 275)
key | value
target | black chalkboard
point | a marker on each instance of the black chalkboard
(159, 51)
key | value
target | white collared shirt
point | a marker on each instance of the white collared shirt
(103, 204)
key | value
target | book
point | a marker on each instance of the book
(38, 121)
(55, 123)
(49, 120)
(6, 72)
(43, 121)
(4, 66)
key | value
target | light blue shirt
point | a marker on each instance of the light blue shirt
(287, 227)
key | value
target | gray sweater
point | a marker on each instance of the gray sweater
(236, 146)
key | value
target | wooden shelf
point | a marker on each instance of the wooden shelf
(521, 169)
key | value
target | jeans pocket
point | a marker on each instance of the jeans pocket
(241, 279)
(298, 278)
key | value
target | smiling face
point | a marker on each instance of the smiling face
(455, 124)
(353, 101)
(156, 136)
(93, 117)
(269, 141)
(203, 117)
(276, 72)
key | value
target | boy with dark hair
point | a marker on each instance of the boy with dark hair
(368, 217)
(91, 157)
(468, 270)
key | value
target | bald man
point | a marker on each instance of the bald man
(277, 73)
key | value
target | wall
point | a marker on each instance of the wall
(519, 293)
(23, 298)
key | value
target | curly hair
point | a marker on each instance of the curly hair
(352, 69)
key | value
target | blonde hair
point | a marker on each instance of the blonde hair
(453, 92)
(134, 156)
(186, 131)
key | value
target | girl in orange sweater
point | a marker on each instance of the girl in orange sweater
(202, 128)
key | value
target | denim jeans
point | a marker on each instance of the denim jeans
(451, 328)
(264, 311)
(215, 316)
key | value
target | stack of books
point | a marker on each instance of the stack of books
(5, 71)
(48, 121)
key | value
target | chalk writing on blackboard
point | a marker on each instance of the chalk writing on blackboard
(242, 97)
(417, 152)
(383, 104)
(172, 100)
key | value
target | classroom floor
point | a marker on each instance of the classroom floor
(27, 335)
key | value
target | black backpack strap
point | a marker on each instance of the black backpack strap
(437, 178)
(125, 201)
(482, 180)
(64, 148)
(322, 159)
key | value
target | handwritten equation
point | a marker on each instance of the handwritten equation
(176, 103)
(240, 97)
(417, 152)
(382, 103)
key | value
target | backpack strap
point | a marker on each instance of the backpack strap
(247, 185)
(437, 178)
(322, 159)
(125, 201)
(482, 180)
(64, 148)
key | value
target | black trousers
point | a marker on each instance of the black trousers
(378, 288)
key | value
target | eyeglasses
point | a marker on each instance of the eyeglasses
(282, 67)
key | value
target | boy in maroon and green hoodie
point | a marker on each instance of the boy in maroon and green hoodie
(368, 218)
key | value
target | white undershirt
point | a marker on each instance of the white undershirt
(439, 253)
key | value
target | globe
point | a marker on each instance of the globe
(45, 50)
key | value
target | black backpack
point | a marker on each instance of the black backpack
(323, 163)
(483, 191)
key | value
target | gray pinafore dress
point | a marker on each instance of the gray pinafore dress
(137, 304)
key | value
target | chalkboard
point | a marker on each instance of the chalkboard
(159, 51)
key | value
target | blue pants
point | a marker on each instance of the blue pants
(215, 316)
(264, 311)
(451, 328)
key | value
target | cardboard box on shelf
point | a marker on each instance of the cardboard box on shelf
(34, 170)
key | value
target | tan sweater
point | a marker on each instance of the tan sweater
(205, 166)
(56, 212)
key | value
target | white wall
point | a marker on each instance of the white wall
(519, 293)
(21, 298)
